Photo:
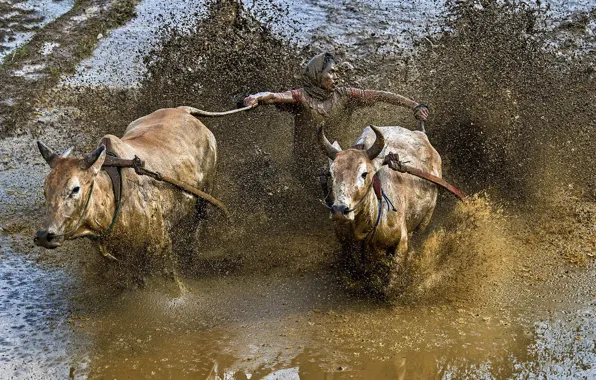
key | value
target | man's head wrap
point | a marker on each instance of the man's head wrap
(312, 76)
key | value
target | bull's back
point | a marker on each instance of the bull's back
(412, 146)
(172, 141)
(168, 129)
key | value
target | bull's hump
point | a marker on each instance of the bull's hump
(395, 137)
(412, 146)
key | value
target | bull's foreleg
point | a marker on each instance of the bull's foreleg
(397, 277)
(171, 264)
(402, 246)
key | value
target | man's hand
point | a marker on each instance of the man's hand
(251, 100)
(421, 112)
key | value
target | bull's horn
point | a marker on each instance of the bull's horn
(90, 158)
(325, 145)
(378, 145)
(46, 153)
(67, 152)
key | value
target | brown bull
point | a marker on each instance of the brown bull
(380, 218)
(80, 196)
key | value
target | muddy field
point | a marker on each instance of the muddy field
(501, 287)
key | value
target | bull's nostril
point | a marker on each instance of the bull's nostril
(340, 210)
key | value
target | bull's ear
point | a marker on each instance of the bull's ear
(47, 153)
(336, 146)
(95, 159)
(67, 152)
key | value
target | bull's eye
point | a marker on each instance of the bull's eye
(364, 175)
(75, 190)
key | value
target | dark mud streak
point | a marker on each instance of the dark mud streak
(77, 36)
(510, 114)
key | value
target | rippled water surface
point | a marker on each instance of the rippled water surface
(279, 326)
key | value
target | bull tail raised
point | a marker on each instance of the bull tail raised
(197, 112)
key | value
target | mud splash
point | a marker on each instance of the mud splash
(496, 145)
(510, 114)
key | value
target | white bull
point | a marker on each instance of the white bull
(359, 221)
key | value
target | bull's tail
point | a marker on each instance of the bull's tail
(197, 112)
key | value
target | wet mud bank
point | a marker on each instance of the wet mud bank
(19, 20)
(28, 72)
(501, 288)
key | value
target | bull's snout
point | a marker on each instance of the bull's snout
(340, 212)
(46, 239)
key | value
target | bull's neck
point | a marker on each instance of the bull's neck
(366, 217)
(102, 205)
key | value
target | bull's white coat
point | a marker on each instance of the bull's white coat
(413, 197)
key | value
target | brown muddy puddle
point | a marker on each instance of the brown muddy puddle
(285, 325)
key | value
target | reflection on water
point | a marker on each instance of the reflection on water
(281, 325)
(37, 339)
(564, 347)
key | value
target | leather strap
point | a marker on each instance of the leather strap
(112, 165)
(392, 160)
(377, 186)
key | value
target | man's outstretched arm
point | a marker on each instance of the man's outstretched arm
(370, 97)
(287, 97)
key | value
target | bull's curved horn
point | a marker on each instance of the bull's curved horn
(378, 145)
(325, 145)
(67, 152)
(90, 158)
(46, 153)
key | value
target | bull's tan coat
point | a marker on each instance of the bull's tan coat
(170, 141)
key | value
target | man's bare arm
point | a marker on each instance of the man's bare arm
(270, 98)
(373, 96)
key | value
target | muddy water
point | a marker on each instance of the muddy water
(271, 327)
(285, 325)
(118, 60)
